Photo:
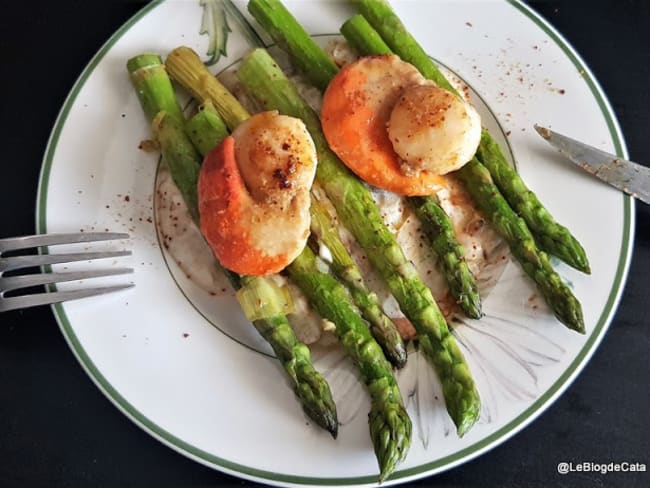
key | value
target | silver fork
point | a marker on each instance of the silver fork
(24, 281)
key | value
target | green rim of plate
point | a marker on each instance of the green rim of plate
(422, 470)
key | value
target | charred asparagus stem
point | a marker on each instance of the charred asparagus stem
(478, 180)
(551, 236)
(356, 209)
(159, 103)
(390, 426)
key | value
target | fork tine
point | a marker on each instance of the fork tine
(17, 282)
(26, 242)
(18, 262)
(14, 303)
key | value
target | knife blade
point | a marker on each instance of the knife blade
(631, 178)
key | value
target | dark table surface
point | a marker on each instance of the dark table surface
(57, 429)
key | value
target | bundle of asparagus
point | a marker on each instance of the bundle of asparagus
(185, 65)
(390, 426)
(264, 80)
(337, 291)
(356, 209)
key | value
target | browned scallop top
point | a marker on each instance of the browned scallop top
(270, 158)
(437, 104)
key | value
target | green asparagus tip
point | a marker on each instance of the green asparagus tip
(469, 419)
(325, 418)
(397, 356)
(391, 436)
(576, 322)
(471, 305)
(574, 255)
(569, 311)
(143, 61)
(333, 428)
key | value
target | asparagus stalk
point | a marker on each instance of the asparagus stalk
(153, 86)
(390, 426)
(478, 181)
(159, 103)
(185, 66)
(356, 208)
(386, 23)
(203, 86)
(263, 79)
(551, 236)
(361, 36)
(344, 267)
(513, 229)
(288, 33)
(161, 109)
(206, 129)
(451, 254)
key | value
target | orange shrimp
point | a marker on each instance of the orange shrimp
(395, 129)
(254, 194)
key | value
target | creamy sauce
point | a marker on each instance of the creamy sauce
(182, 239)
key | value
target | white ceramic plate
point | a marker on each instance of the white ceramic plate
(193, 374)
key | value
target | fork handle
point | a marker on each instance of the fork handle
(27, 242)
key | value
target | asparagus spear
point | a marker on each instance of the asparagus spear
(288, 33)
(361, 36)
(187, 68)
(206, 129)
(355, 207)
(451, 254)
(479, 184)
(161, 109)
(344, 267)
(552, 237)
(390, 426)
(513, 229)
(159, 103)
